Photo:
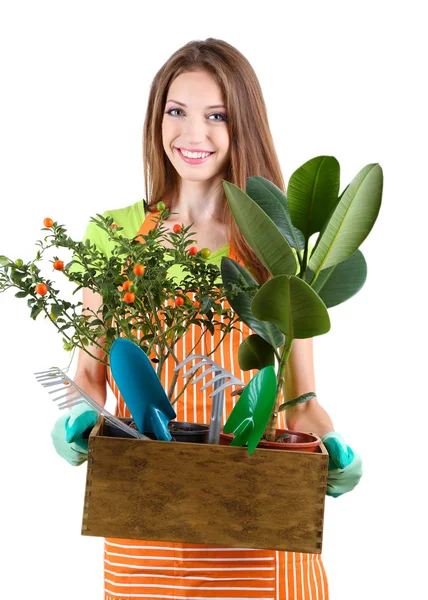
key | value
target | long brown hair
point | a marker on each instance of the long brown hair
(252, 149)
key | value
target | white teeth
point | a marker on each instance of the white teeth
(195, 154)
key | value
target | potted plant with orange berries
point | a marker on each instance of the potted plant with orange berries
(142, 299)
(302, 283)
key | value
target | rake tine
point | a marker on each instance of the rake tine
(52, 383)
(214, 380)
(189, 358)
(48, 379)
(53, 370)
(58, 389)
(69, 403)
(74, 394)
(203, 374)
(195, 368)
(223, 387)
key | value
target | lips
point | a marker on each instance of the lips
(188, 150)
(194, 161)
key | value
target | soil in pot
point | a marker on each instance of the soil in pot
(180, 431)
(297, 441)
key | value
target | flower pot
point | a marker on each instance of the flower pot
(204, 493)
(181, 431)
(297, 442)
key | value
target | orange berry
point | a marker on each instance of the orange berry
(179, 301)
(58, 265)
(139, 270)
(48, 222)
(193, 250)
(114, 226)
(41, 289)
(127, 284)
(129, 297)
(176, 228)
(196, 304)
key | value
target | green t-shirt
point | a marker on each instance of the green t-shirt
(131, 218)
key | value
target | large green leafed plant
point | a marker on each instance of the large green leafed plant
(304, 281)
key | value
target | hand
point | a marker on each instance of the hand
(344, 465)
(67, 433)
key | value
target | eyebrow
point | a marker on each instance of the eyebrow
(185, 106)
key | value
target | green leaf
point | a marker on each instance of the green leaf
(4, 261)
(96, 322)
(35, 311)
(337, 284)
(30, 302)
(255, 353)
(21, 294)
(250, 415)
(261, 233)
(351, 220)
(296, 401)
(232, 272)
(312, 193)
(56, 310)
(293, 306)
(273, 201)
(206, 304)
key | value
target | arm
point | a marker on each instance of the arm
(310, 416)
(90, 374)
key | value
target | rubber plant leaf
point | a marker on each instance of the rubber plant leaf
(250, 415)
(273, 201)
(295, 401)
(337, 284)
(351, 220)
(255, 353)
(261, 233)
(234, 274)
(293, 306)
(313, 190)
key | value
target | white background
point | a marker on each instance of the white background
(339, 78)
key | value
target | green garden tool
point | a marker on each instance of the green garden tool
(251, 414)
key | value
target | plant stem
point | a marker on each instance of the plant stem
(163, 337)
(270, 430)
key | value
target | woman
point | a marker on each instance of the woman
(206, 99)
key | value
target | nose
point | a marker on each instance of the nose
(195, 130)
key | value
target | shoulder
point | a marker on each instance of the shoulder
(129, 217)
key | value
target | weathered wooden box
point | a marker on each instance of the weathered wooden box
(204, 493)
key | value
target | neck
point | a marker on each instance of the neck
(199, 201)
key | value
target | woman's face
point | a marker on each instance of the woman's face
(191, 123)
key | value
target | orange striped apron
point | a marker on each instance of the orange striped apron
(174, 570)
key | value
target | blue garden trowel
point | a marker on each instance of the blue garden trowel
(141, 389)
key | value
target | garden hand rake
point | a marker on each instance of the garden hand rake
(56, 379)
(219, 384)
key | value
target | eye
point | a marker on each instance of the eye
(168, 112)
(223, 116)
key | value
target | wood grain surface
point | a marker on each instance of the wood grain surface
(204, 493)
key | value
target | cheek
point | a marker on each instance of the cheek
(224, 140)
(167, 132)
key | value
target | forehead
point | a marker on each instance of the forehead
(197, 90)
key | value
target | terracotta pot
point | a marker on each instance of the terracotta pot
(298, 441)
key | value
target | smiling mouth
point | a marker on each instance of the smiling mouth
(194, 161)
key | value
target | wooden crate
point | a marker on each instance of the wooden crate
(204, 493)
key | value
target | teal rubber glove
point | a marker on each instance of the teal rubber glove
(67, 433)
(344, 465)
